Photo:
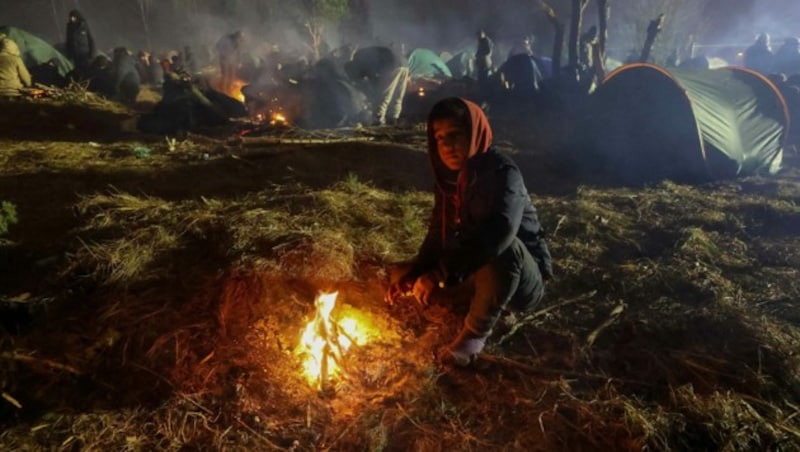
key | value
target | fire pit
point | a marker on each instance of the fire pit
(326, 340)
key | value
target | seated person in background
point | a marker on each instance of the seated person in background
(14, 76)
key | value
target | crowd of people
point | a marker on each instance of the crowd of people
(484, 231)
(782, 67)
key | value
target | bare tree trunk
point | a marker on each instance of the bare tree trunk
(314, 28)
(56, 19)
(603, 12)
(652, 31)
(575, 31)
(558, 45)
(143, 9)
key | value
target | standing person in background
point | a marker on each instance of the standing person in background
(758, 56)
(787, 58)
(229, 48)
(156, 70)
(483, 62)
(80, 43)
(126, 79)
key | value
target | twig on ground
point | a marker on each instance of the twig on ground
(8, 398)
(502, 360)
(259, 435)
(46, 362)
(613, 317)
(530, 317)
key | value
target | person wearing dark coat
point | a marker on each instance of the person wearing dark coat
(521, 76)
(80, 46)
(484, 231)
(100, 76)
(127, 81)
(156, 70)
(483, 59)
(384, 76)
(143, 67)
(758, 56)
(787, 58)
(47, 74)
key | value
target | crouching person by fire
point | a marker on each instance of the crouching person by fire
(14, 76)
(484, 231)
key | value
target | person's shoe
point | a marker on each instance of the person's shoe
(464, 349)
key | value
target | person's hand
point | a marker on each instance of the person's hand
(398, 289)
(423, 287)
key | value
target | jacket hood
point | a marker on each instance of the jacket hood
(8, 45)
(480, 142)
(77, 14)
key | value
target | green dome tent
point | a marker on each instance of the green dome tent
(425, 63)
(35, 50)
(647, 123)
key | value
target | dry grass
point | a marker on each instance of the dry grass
(671, 325)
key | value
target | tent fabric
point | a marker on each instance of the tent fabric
(462, 64)
(36, 51)
(426, 63)
(648, 124)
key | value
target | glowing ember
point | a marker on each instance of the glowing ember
(278, 119)
(325, 341)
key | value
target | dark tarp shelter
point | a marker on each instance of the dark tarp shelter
(36, 51)
(462, 64)
(647, 124)
(425, 63)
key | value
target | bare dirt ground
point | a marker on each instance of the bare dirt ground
(154, 299)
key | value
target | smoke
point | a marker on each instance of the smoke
(442, 25)
(741, 20)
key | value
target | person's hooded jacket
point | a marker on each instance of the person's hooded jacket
(479, 210)
(80, 43)
(13, 74)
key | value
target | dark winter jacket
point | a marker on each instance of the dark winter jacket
(80, 44)
(478, 212)
(126, 77)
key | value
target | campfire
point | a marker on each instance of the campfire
(326, 340)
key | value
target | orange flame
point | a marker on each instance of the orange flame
(325, 341)
(236, 91)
